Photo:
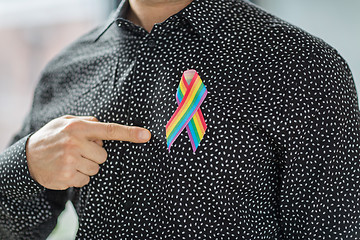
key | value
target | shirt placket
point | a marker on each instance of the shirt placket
(139, 114)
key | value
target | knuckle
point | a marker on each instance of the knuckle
(131, 131)
(67, 175)
(67, 116)
(63, 157)
(69, 161)
(93, 119)
(72, 125)
(68, 146)
(111, 130)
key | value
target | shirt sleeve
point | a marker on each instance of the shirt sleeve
(320, 177)
(15, 177)
(27, 210)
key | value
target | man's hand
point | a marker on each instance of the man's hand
(68, 150)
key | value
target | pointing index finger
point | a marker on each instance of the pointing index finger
(118, 132)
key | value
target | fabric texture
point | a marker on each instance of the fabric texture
(279, 159)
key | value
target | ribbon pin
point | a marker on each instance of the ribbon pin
(189, 96)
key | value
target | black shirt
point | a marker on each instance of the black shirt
(279, 158)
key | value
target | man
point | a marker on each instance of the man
(279, 158)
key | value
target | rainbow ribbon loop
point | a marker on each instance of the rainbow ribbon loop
(189, 96)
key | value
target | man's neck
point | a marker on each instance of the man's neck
(146, 13)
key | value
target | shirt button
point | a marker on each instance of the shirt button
(128, 204)
(152, 43)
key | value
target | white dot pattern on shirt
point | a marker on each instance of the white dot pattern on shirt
(279, 159)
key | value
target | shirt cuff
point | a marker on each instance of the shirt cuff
(14, 173)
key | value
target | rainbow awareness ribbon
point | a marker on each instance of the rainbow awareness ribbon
(189, 96)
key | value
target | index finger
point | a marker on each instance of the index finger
(118, 132)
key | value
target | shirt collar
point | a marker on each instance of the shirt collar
(206, 15)
(203, 15)
(118, 13)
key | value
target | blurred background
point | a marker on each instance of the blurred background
(34, 31)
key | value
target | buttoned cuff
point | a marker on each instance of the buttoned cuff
(15, 178)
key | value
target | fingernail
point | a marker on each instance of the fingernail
(144, 135)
